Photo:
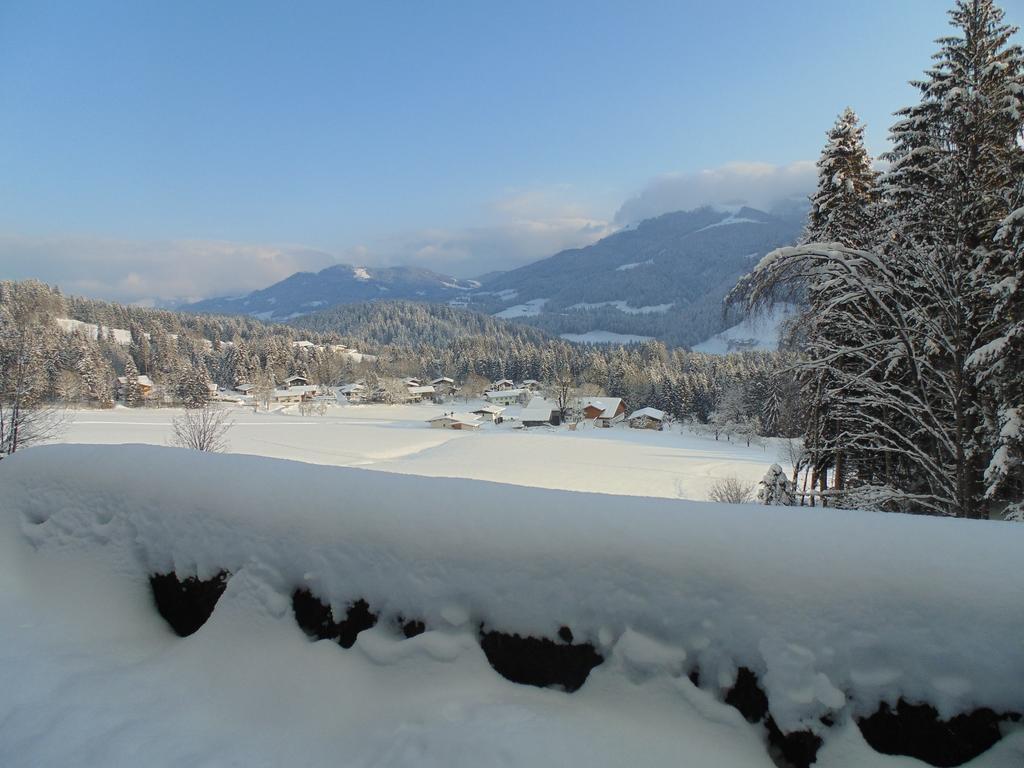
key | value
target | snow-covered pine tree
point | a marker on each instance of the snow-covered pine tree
(843, 213)
(131, 393)
(775, 489)
(910, 318)
(999, 368)
(956, 168)
(842, 206)
(193, 389)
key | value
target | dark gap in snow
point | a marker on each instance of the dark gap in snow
(788, 750)
(916, 730)
(317, 619)
(747, 696)
(186, 604)
(540, 661)
(411, 627)
(695, 676)
(791, 750)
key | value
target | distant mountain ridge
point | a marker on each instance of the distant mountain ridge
(307, 292)
(663, 278)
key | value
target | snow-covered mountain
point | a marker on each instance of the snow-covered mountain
(663, 278)
(307, 292)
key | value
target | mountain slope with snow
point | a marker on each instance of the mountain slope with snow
(306, 292)
(664, 278)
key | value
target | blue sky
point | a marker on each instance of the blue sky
(248, 139)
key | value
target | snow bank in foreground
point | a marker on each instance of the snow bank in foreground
(834, 610)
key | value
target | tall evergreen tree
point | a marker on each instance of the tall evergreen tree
(132, 396)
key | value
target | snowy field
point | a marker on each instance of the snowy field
(834, 611)
(397, 439)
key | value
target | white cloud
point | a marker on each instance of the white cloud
(523, 226)
(759, 185)
(144, 271)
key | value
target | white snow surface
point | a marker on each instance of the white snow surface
(530, 309)
(757, 332)
(835, 610)
(623, 306)
(604, 337)
(396, 438)
(729, 220)
(92, 331)
(633, 265)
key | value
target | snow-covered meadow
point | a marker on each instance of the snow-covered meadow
(396, 438)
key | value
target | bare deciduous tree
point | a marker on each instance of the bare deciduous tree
(202, 429)
(731, 490)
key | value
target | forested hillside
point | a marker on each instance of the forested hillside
(43, 361)
(407, 323)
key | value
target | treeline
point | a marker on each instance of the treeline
(913, 283)
(182, 354)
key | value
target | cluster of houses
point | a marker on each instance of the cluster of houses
(539, 411)
(536, 411)
(412, 390)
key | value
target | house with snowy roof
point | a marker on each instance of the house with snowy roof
(460, 421)
(541, 412)
(296, 381)
(351, 393)
(603, 411)
(298, 394)
(503, 384)
(144, 382)
(419, 393)
(443, 385)
(647, 418)
(489, 413)
(507, 396)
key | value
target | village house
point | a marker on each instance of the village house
(540, 412)
(418, 393)
(531, 384)
(296, 394)
(244, 388)
(443, 385)
(507, 396)
(503, 384)
(412, 382)
(296, 381)
(462, 421)
(145, 385)
(604, 411)
(351, 393)
(647, 418)
(489, 413)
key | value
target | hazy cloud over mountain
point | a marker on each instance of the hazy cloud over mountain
(144, 271)
(518, 227)
(759, 185)
(524, 226)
